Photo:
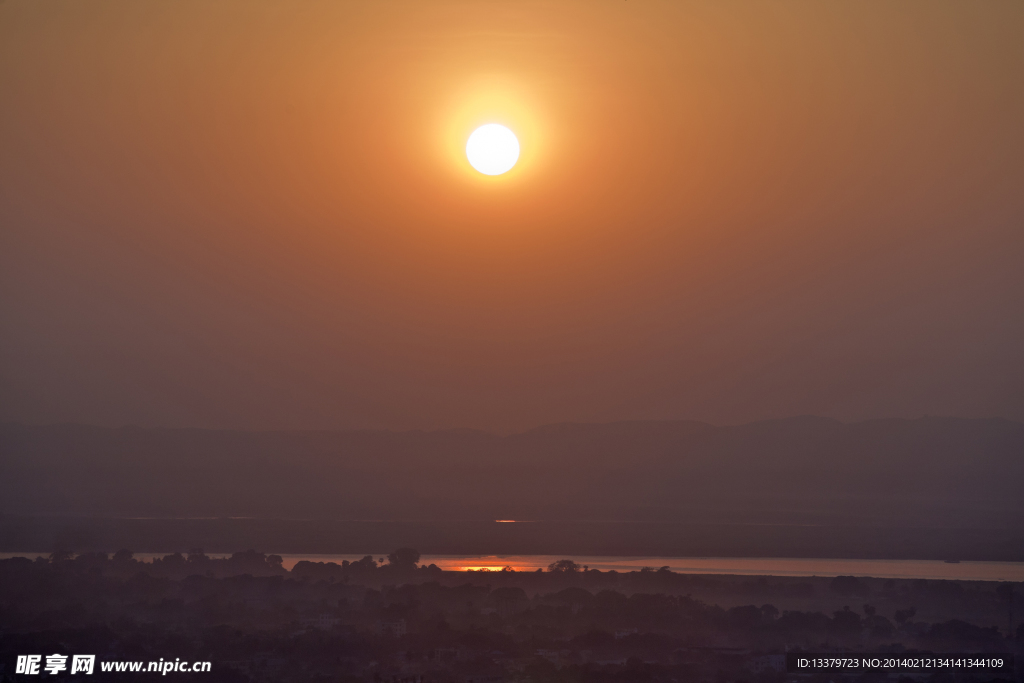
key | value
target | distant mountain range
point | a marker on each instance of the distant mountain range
(931, 472)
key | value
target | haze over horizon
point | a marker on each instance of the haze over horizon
(503, 433)
(255, 215)
(931, 488)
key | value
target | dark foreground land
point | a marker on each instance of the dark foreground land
(394, 620)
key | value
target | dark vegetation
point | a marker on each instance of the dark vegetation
(392, 619)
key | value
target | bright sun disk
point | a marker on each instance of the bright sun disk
(492, 149)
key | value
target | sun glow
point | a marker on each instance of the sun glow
(492, 149)
(485, 568)
(478, 103)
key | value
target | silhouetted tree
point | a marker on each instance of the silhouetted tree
(564, 567)
(58, 556)
(902, 616)
(405, 558)
(124, 556)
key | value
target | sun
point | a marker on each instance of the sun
(492, 149)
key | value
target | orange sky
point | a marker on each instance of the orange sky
(259, 214)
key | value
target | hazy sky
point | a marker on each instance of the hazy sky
(244, 213)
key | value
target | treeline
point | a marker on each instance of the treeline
(538, 607)
(123, 563)
(392, 619)
(401, 564)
